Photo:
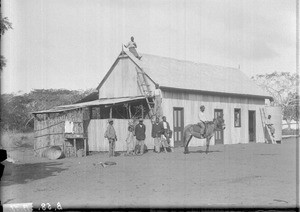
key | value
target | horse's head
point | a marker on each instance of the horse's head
(220, 123)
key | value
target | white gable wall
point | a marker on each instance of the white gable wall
(121, 82)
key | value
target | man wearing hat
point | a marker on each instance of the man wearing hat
(110, 134)
(202, 119)
(140, 134)
(165, 133)
(156, 135)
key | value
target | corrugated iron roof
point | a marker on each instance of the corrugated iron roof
(179, 74)
(106, 101)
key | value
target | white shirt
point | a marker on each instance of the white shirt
(202, 116)
(131, 45)
(157, 92)
(165, 125)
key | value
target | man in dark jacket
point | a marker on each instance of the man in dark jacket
(165, 132)
(156, 135)
(165, 128)
(140, 134)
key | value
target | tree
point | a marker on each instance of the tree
(5, 25)
(16, 109)
(282, 86)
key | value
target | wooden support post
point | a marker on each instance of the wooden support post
(84, 144)
(90, 112)
(48, 129)
(110, 113)
(75, 147)
(64, 146)
(35, 134)
(129, 109)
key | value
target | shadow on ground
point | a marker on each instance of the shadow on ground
(203, 151)
(24, 173)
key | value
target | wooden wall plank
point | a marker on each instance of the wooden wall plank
(191, 104)
(97, 128)
(121, 82)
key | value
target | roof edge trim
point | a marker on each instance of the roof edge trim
(165, 88)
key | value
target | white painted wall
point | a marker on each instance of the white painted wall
(192, 102)
(97, 128)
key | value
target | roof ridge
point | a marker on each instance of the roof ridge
(186, 61)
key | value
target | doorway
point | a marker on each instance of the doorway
(178, 123)
(252, 126)
(219, 135)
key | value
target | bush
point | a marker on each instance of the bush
(290, 132)
(13, 139)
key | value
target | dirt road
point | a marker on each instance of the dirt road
(230, 175)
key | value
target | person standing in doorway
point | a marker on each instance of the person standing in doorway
(110, 134)
(132, 48)
(140, 135)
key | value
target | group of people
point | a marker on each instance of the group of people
(136, 135)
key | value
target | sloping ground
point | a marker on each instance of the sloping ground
(230, 175)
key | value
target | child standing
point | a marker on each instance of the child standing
(130, 139)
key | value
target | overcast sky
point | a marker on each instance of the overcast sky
(72, 43)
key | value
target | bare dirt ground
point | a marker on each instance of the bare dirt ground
(242, 175)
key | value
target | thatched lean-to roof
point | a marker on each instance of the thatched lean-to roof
(185, 75)
(108, 101)
(91, 97)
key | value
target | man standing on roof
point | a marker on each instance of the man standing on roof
(110, 134)
(132, 48)
(202, 119)
(157, 101)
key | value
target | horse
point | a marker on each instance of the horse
(194, 130)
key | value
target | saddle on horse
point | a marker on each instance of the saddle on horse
(200, 129)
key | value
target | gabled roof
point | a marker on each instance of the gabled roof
(178, 74)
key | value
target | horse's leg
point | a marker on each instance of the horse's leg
(207, 144)
(186, 148)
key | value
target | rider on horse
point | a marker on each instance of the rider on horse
(202, 120)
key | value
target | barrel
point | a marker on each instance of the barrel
(276, 120)
(53, 153)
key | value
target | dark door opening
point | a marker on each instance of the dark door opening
(219, 135)
(178, 123)
(252, 126)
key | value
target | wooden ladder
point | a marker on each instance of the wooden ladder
(263, 118)
(145, 90)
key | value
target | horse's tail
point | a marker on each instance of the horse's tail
(184, 136)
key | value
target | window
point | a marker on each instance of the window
(237, 117)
